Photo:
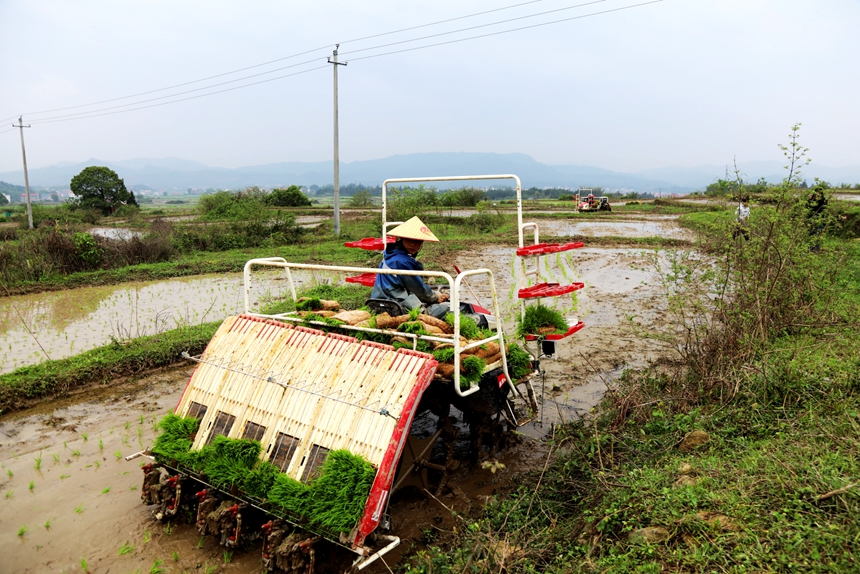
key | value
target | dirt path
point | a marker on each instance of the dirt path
(69, 496)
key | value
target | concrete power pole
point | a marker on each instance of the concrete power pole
(26, 177)
(333, 60)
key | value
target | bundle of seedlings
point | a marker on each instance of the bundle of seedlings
(315, 304)
(176, 438)
(334, 501)
(291, 496)
(230, 460)
(338, 497)
(260, 480)
(541, 320)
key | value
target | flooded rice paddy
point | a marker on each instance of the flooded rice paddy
(70, 499)
(59, 324)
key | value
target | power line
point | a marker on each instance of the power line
(89, 113)
(506, 31)
(271, 62)
(97, 113)
(69, 119)
(476, 27)
(181, 93)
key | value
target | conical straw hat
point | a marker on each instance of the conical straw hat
(413, 229)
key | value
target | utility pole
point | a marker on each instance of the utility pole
(333, 60)
(26, 177)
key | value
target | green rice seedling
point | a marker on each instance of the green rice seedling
(157, 567)
(23, 530)
(65, 445)
(38, 464)
(125, 440)
(31, 486)
(101, 444)
(79, 509)
(338, 496)
(64, 476)
(140, 432)
(76, 452)
(127, 424)
(105, 490)
(471, 371)
(228, 556)
(309, 304)
(208, 569)
(9, 472)
(147, 536)
(47, 525)
(290, 495)
(175, 556)
(56, 458)
(126, 548)
(84, 565)
(230, 460)
(168, 529)
(176, 438)
(9, 494)
(444, 355)
(85, 436)
(519, 361)
(539, 316)
(118, 454)
(141, 419)
(97, 464)
(260, 479)
(200, 542)
(468, 328)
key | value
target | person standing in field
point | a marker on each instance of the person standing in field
(742, 214)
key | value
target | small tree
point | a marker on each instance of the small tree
(99, 187)
(361, 198)
(289, 197)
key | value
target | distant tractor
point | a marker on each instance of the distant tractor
(590, 202)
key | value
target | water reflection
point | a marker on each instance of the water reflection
(60, 324)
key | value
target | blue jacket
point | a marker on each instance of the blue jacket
(409, 291)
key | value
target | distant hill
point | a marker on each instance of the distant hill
(9, 188)
(175, 173)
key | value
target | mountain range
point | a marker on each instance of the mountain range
(175, 173)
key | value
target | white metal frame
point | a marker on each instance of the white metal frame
(453, 283)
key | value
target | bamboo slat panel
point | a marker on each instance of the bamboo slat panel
(326, 390)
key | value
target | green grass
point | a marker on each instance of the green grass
(775, 488)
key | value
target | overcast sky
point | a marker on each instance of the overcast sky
(673, 83)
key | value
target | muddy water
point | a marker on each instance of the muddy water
(59, 324)
(664, 228)
(847, 196)
(69, 496)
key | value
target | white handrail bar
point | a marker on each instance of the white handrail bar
(453, 284)
(449, 178)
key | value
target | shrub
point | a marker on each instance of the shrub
(289, 197)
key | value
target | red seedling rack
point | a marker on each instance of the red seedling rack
(548, 290)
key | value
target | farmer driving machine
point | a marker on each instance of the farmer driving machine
(295, 426)
(590, 202)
